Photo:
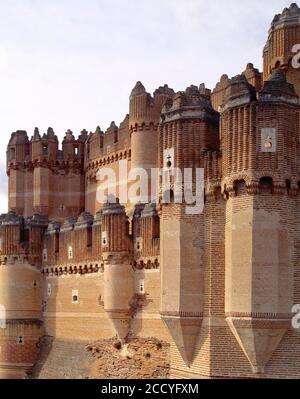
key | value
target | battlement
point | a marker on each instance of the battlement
(252, 75)
(21, 151)
(144, 108)
(89, 237)
(193, 103)
(21, 236)
(289, 17)
(277, 88)
(114, 139)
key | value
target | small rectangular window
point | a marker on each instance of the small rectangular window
(138, 244)
(169, 157)
(141, 286)
(75, 297)
(45, 150)
(56, 242)
(44, 254)
(2, 316)
(116, 136)
(104, 239)
(49, 290)
(70, 252)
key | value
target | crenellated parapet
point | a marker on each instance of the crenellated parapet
(100, 145)
(144, 110)
(21, 239)
(43, 178)
(253, 77)
(43, 149)
(284, 33)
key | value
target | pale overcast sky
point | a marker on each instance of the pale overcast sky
(71, 64)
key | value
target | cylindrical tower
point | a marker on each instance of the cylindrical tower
(20, 299)
(144, 114)
(284, 34)
(118, 273)
(16, 154)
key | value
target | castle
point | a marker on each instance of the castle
(218, 286)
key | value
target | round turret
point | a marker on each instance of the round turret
(279, 51)
(118, 274)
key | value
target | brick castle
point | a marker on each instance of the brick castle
(218, 286)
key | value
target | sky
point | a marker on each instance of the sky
(71, 64)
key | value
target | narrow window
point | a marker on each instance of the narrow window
(89, 237)
(169, 158)
(141, 286)
(45, 149)
(138, 244)
(75, 297)
(104, 238)
(288, 186)
(2, 316)
(56, 242)
(20, 340)
(70, 252)
(116, 136)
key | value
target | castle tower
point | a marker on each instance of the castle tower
(20, 294)
(259, 165)
(44, 152)
(188, 127)
(118, 273)
(284, 34)
(144, 113)
(16, 154)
